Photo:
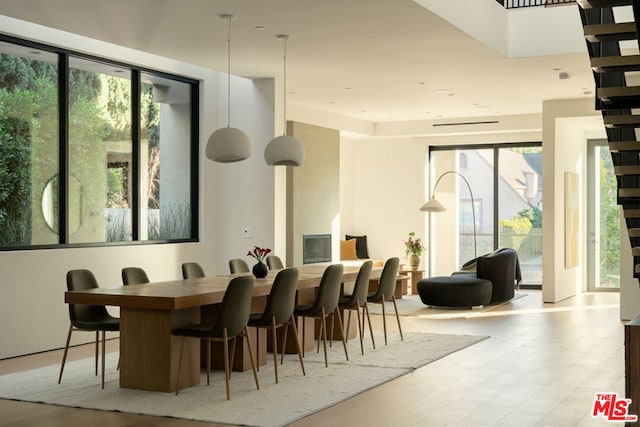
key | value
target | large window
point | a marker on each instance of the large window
(506, 185)
(93, 152)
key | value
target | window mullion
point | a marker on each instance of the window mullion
(63, 146)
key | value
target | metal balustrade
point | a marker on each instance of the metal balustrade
(515, 4)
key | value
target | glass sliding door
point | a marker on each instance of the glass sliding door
(603, 220)
(506, 211)
(520, 208)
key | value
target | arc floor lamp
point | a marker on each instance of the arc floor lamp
(433, 205)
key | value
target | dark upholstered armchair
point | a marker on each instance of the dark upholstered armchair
(501, 268)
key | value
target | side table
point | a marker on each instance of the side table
(414, 275)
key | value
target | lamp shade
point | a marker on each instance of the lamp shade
(432, 205)
(284, 151)
(227, 145)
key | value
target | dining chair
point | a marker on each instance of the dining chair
(238, 265)
(191, 270)
(134, 276)
(91, 318)
(279, 312)
(274, 262)
(325, 305)
(230, 323)
(358, 299)
(386, 292)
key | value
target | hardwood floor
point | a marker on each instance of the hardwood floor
(541, 367)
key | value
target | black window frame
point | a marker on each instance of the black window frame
(63, 145)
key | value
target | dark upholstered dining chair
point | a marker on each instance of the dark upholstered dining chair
(134, 276)
(238, 265)
(230, 323)
(279, 312)
(358, 299)
(274, 262)
(386, 292)
(325, 305)
(87, 317)
(192, 270)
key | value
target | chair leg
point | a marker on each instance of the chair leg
(252, 358)
(233, 354)
(384, 321)
(226, 359)
(209, 343)
(274, 343)
(97, 345)
(64, 355)
(303, 336)
(344, 340)
(332, 328)
(284, 341)
(104, 341)
(365, 309)
(360, 327)
(295, 334)
(323, 332)
(397, 317)
(258, 344)
(180, 365)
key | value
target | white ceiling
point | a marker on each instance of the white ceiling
(362, 59)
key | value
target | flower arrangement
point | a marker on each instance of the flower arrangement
(413, 245)
(259, 253)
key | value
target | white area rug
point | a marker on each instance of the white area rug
(411, 305)
(294, 397)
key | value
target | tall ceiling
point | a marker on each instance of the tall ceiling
(375, 60)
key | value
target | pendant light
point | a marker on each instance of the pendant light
(227, 145)
(284, 150)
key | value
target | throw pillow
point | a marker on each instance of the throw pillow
(348, 249)
(361, 245)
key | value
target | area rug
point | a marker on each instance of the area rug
(411, 305)
(294, 397)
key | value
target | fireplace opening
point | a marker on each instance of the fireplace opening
(316, 248)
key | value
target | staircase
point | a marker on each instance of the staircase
(618, 101)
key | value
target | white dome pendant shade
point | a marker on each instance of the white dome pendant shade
(227, 145)
(284, 150)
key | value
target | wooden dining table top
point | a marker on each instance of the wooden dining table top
(186, 293)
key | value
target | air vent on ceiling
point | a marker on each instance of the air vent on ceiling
(492, 122)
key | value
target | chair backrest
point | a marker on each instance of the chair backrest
(329, 289)
(235, 308)
(238, 265)
(282, 298)
(192, 270)
(134, 276)
(387, 284)
(503, 270)
(81, 280)
(361, 286)
(274, 262)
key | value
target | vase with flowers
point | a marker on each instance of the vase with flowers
(260, 269)
(413, 249)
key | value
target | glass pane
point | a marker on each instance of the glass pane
(520, 212)
(609, 223)
(99, 152)
(165, 157)
(28, 146)
(464, 180)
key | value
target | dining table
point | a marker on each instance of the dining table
(149, 353)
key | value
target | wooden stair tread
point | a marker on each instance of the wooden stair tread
(598, 4)
(631, 213)
(627, 120)
(616, 146)
(612, 93)
(635, 251)
(627, 170)
(634, 232)
(604, 64)
(629, 192)
(610, 32)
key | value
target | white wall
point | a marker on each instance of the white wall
(567, 124)
(382, 189)
(33, 315)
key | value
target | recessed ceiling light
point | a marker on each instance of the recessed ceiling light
(118, 70)
(442, 91)
(421, 83)
(363, 111)
(35, 52)
(258, 27)
(331, 102)
(348, 88)
(564, 75)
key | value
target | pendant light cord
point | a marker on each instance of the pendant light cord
(229, 72)
(284, 38)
